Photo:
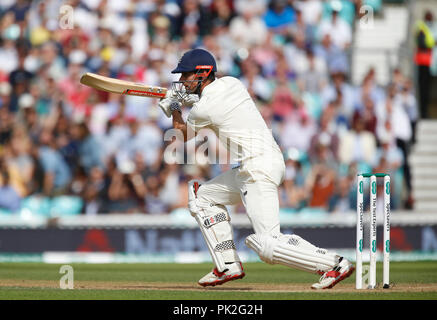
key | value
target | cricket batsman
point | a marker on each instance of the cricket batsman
(225, 106)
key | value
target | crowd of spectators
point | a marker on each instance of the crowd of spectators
(59, 138)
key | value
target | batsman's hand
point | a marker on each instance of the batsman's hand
(190, 100)
(168, 105)
(171, 95)
(187, 101)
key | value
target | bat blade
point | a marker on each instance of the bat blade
(118, 86)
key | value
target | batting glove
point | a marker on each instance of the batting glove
(187, 100)
(171, 94)
(190, 100)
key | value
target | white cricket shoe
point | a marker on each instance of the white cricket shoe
(234, 272)
(330, 278)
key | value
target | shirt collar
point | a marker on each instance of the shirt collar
(209, 87)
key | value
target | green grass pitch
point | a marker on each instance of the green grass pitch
(38, 281)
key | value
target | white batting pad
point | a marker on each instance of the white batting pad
(214, 223)
(292, 251)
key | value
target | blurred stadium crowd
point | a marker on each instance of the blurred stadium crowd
(63, 144)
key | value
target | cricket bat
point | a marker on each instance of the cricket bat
(121, 86)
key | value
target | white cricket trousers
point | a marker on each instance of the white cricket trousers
(257, 188)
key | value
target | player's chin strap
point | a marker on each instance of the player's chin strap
(199, 84)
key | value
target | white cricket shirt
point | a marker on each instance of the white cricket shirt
(226, 108)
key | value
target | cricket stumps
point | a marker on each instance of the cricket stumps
(372, 230)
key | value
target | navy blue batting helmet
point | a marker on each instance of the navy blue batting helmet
(193, 59)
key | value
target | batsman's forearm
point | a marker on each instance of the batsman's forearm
(179, 123)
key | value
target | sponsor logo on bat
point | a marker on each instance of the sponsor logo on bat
(157, 93)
